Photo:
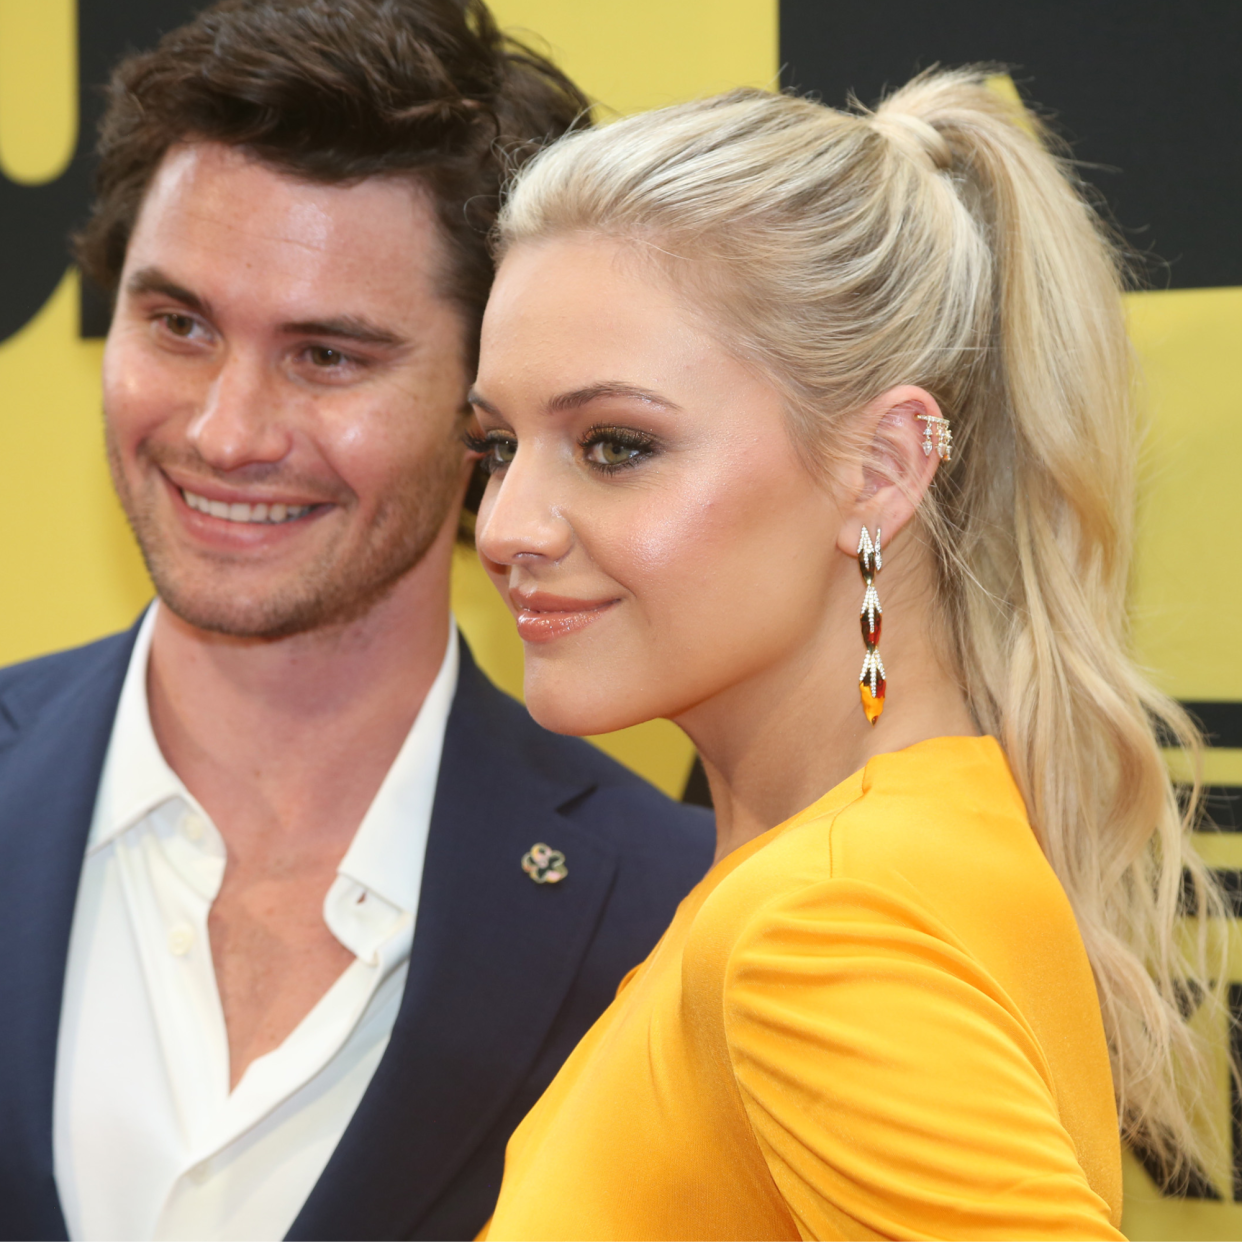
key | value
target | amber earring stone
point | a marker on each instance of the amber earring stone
(872, 702)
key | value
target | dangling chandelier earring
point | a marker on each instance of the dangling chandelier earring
(944, 436)
(871, 681)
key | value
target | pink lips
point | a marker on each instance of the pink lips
(542, 618)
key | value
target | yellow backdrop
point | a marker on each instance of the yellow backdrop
(70, 572)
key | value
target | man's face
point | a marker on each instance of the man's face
(283, 392)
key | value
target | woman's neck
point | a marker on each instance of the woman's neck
(776, 742)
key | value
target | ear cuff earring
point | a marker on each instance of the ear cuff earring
(871, 682)
(944, 436)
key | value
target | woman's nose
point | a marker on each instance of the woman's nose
(240, 421)
(522, 516)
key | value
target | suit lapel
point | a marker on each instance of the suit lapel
(53, 738)
(494, 955)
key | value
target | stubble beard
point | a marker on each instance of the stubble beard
(340, 586)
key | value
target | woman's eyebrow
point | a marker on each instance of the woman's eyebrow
(473, 398)
(594, 392)
(584, 396)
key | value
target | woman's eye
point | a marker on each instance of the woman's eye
(611, 449)
(611, 453)
(496, 451)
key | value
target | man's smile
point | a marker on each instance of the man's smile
(272, 514)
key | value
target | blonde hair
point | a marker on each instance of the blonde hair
(939, 241)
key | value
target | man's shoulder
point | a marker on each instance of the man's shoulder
(25, 687)
(636, 811)
(57, 667)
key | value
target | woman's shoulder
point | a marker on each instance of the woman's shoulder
(897, 970)
(949, 802)
(938, 820)
(934, 837)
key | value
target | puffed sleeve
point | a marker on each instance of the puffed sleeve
(894, 1088)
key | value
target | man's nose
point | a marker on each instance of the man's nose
(523, 516)
(242, 420)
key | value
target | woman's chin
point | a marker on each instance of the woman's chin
(564, 710)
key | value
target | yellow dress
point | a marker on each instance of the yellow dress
(876, 1020)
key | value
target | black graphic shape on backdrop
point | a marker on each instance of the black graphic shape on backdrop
(1235, 1100)
(36, 220)
(1148, 88)
(1221, 722)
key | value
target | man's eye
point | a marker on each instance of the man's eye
(179, 325)
(322, 356)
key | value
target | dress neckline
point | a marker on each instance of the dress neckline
(938, 754)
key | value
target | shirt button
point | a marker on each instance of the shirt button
(192, 826)
(179, 940)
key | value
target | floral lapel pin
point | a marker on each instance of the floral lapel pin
(544, 865)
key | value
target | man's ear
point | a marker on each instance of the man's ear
(896, 471)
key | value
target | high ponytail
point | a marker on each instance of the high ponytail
(940, 241)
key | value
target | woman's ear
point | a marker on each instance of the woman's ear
(897, 467)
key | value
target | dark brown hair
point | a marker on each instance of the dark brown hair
(337, 91)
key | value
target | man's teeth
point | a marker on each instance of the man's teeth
(245, 513)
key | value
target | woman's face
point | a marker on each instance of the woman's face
(648, 520)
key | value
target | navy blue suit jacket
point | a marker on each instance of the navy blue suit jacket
(505, 975)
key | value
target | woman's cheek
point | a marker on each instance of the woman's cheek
(703, 523)
(676, 561)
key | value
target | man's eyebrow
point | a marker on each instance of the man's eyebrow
(153, 280)
(344, 327)
(348, 328)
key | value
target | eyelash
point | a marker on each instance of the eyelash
(485, 445)
(626, 437)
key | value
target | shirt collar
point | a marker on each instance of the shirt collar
(136, 777)
(386, 854)
(372, 904)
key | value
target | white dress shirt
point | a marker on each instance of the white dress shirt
(149, 1141)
